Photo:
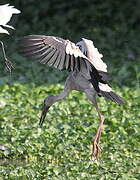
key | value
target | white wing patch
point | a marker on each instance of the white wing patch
(94, 55)
(105, 87)
(72, 49)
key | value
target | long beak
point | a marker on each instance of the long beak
(43, 114)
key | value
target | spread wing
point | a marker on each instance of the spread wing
(57, 52)
(60, 53)
(63, 54)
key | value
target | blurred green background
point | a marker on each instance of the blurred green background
(61, 148)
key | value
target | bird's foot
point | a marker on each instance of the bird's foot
(96, 148)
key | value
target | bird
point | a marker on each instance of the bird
(6, 13)
(87, 73)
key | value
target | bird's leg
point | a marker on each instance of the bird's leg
(8, 63)
(96, 149)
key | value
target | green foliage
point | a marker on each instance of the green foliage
(61, 148)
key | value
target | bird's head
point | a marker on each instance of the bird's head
(46, 105)
(48, 101)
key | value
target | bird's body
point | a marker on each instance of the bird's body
(88, 73)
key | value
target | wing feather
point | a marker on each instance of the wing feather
(43, 57)
(53, 59)
(35, 50)
(50, 56)
(67, 61)
(72, 63)
(62, 62)
(56, 64)
(39, 47)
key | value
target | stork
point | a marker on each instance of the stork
(87, 72)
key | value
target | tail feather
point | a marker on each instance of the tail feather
(112, 96)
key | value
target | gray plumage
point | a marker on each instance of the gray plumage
(88, 73)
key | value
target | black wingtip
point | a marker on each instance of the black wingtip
(113, 96)
(105, 76)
